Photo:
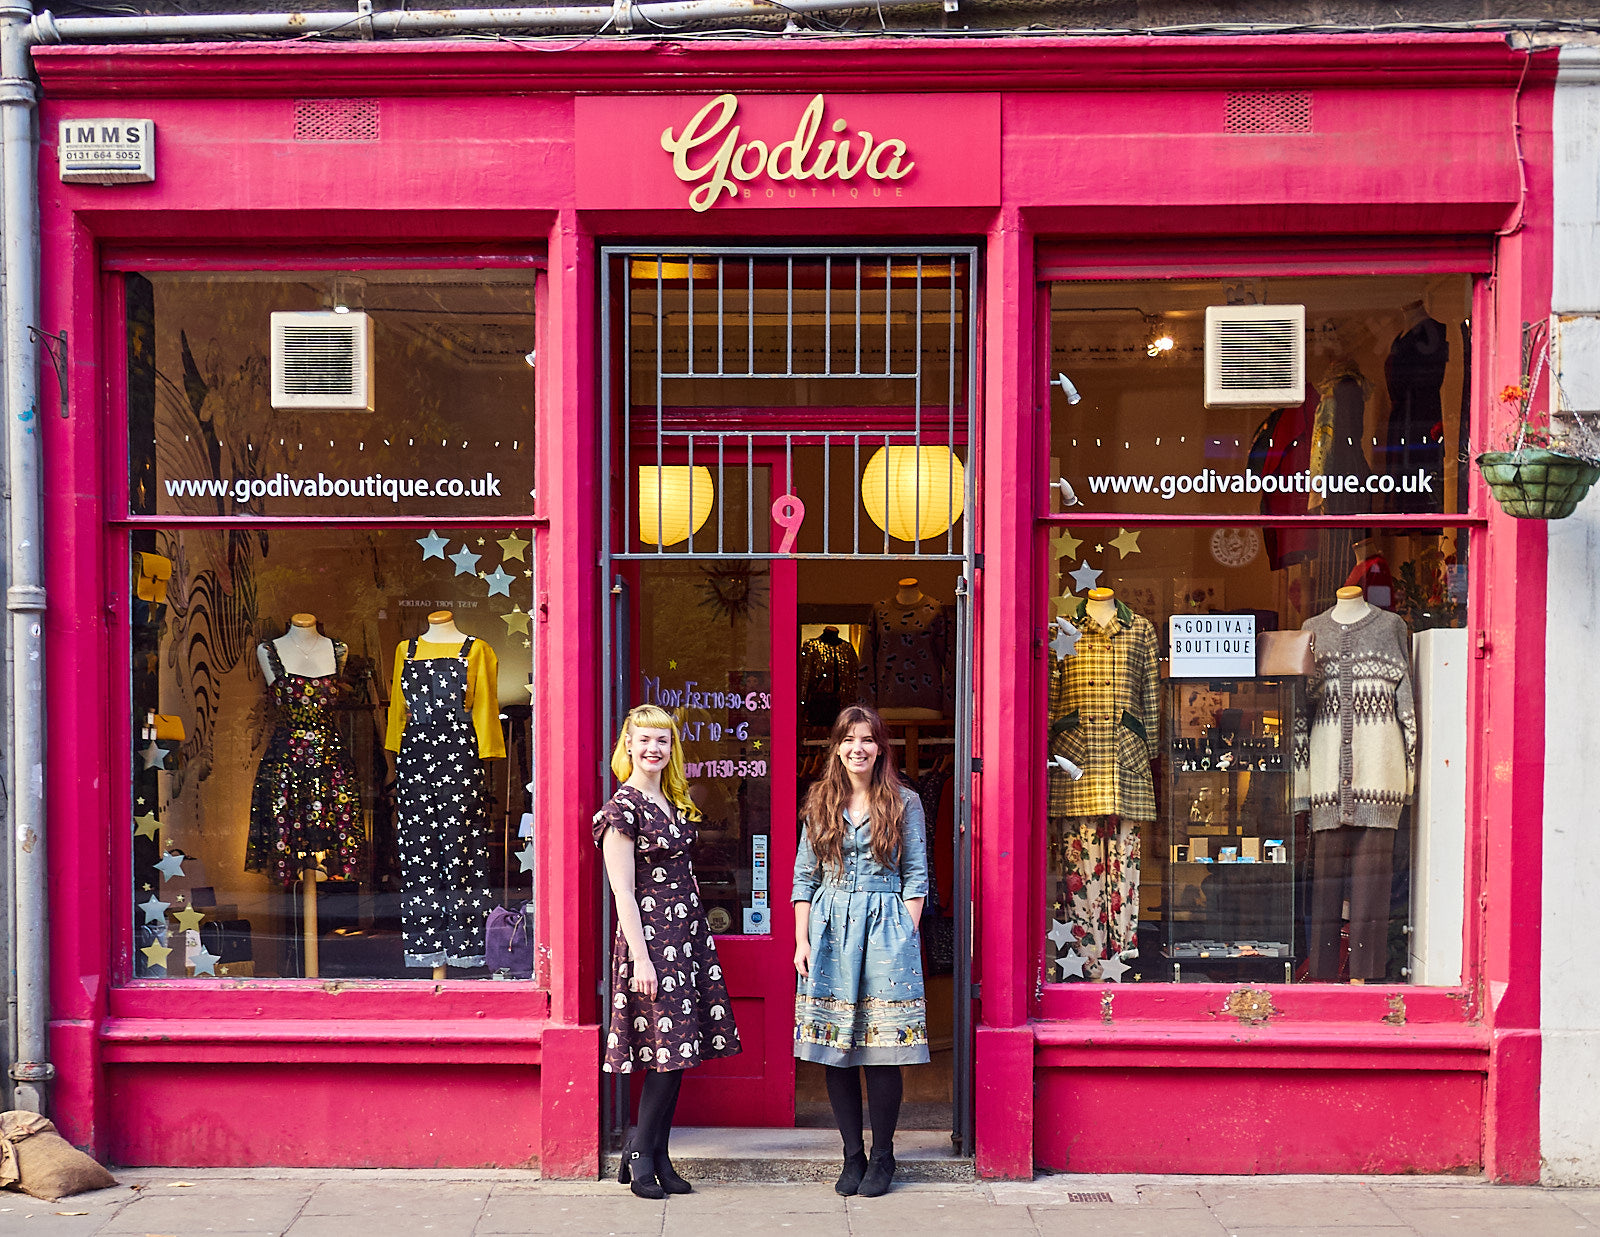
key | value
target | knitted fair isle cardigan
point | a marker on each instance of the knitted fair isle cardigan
(1355, 741)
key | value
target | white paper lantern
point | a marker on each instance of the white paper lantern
(664, 492)
(914, 493)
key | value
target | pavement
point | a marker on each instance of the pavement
(489, 1203)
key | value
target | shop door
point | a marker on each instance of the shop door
(775, 425)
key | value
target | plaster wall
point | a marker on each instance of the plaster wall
(1570, 975)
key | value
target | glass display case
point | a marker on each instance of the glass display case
(1229, 898)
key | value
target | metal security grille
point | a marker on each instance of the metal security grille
(336, 120)
(1268, 111)
(849, 373)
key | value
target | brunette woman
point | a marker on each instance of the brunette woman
(669, 1006)
(860, 878)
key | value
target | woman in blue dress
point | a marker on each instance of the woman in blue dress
(860, 879)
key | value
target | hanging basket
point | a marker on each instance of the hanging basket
(1537, 484)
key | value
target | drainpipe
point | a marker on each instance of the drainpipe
(622, 16)
(31, 1070)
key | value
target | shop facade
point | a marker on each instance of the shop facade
(680, 357)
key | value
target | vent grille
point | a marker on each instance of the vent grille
(322, 360)
(1089, 1196)
(336, 120)
(1268, 111)
(1255, 355)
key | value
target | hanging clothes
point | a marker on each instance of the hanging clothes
(1414, 374)
(1099, 875)
(442, 794)
(1336, 436)
(307, 797)
(830, 677)
(1282, 448)
(909, 657)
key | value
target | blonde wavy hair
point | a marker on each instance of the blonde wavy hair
(674, 783)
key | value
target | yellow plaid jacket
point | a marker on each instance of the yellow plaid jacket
(1105, 718)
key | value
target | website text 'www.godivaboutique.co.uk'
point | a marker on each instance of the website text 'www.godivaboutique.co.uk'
(1209, 481)
(375, 485)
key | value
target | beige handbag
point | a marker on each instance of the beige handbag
(1280, 653)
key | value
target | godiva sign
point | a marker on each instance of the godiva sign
(732, 151)
(711, 153)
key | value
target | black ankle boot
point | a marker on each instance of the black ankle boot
(638, 1173)
(855, 1167)
(669, 1177)
(880, 1172)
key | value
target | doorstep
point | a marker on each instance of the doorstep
(733, 1153)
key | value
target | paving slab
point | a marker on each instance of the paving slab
(335, 1198)
(1073, 1191)
(1262, 1205)
(622, 1215)
(1548, 1219)
(1124, 1222)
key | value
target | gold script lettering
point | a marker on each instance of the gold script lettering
(721, 163)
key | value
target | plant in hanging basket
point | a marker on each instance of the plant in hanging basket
(1543, 473)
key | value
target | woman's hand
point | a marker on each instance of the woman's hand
(644, 978)
(802, 958)
(914, 909)
(802, 939)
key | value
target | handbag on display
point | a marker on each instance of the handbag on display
(507, 942)
(1280, 653)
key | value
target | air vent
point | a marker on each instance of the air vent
(322, 360)
(336, 120)
(1255, 355)
(1268, 111)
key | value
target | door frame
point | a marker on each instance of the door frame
(615, 427)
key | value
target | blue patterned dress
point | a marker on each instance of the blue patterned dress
(863, 1002)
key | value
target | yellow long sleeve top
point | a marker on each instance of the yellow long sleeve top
(483, 674)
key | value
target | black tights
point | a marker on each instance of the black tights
(658, 1100)
(884, 1089)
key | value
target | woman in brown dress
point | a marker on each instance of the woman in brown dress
(669, 1005)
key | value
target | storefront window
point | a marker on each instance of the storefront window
(1256, 730)
(333, 759)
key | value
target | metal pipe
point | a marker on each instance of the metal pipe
(659, 14)
(19, 219)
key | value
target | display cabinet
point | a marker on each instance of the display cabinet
(1229, 898)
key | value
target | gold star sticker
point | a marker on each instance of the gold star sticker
(1127, 542)
(1064, 545)
(528, 574)
(145, 826)
(517, 620)
(156, 953)
(513, 546)
(1099, 549)
(758, 745)
(1062, 607)
(480, 540)
(190, 919)
(530, 688)
(527, 644)
(672, 665)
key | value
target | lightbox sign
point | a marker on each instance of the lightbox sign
(733, 151)
(103, 151)
(1211, 646)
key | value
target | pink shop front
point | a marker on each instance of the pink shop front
(673, 372)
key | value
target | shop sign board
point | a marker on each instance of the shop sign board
(1212, 646)
(105, 151)
(734, 151)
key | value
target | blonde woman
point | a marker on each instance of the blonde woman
(669, 1005)
(860, 879)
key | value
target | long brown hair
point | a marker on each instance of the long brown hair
(825, 801)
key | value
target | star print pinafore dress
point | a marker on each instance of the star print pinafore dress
(691, 1019)
(442, 805)
(307, 798)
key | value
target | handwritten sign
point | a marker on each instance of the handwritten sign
(1212, 646)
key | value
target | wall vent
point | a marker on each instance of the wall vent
(1255, 355)
(336, 120)
(1268, 111)
(322, 360)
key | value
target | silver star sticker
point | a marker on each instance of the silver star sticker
(154, 757)
(1113, 969)
(170, 866)
(465, 560)
(1059, 933)
(1085, 577)
(500, 582)
(1066, 642)
(525, 857)
(432, 545)
(1060, 764)
(1071, 965)
(155, 910)
(204, 961)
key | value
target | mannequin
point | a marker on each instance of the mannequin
(1105, 719)
(907, 662)
(830, 677)
(304, 809)
(1355, 767)
(444, 722)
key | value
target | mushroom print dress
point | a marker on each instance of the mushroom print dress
(691, 1019)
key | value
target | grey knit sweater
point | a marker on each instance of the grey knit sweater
(1355, 748)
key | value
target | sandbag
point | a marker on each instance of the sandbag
(38, 1161)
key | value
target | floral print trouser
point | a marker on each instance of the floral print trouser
(1095, 862)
